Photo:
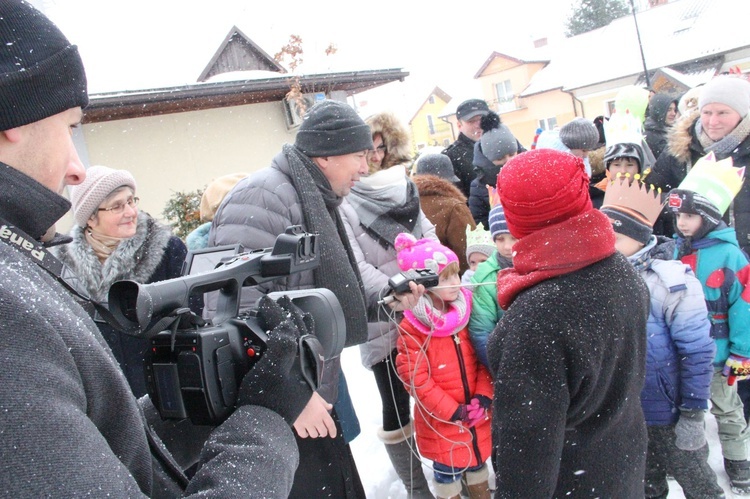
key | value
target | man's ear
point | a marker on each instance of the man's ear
(12, 134)
(322, 162)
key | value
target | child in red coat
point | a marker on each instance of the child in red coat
(439, 367)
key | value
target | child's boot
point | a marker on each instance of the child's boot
(739, 475)
(477, 482)
(448, 490)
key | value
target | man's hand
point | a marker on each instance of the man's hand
(276, 381)
(315, 420)
(407, 301)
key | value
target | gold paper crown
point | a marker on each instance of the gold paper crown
(478, 236)
(622, 128)
(633, 196)
(494, 196)
(717, 181)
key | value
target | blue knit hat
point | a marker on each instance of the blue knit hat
(498, 225)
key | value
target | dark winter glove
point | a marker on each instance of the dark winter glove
(736, 368)
(690, 430)
(276, 381)
(461, 414)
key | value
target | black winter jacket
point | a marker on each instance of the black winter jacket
(568, 384)
(461, 153)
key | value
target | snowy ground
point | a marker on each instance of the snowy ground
(379, 478)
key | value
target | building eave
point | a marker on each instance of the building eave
(200, 96)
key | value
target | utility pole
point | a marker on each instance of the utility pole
(640, 45)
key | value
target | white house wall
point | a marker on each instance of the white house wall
(185, 151)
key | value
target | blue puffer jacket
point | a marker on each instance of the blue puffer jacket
(680, 349)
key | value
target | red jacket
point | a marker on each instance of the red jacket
(450, 375)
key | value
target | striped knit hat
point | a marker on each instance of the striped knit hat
(498, 225)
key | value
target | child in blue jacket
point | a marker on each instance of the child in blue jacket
(711, 249)
(680, 350)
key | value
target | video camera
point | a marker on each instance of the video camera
(193, 370)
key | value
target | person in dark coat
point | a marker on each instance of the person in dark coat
(567, 384)
(71, 427)
(723, 127)
(496, 146)
(660, 116)
(461, 152)
(113, 241)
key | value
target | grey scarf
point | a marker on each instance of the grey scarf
(382, 212)
(724, 147)
(319, 206)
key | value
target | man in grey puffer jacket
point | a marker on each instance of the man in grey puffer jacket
(69, 424)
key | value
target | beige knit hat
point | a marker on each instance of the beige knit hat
(99, 183)
(215, 193)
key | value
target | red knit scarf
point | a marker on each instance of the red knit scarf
(557, 250)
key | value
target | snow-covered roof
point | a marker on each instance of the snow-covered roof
(674, 33)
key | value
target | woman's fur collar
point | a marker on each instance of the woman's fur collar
(134, 259)
(431, 185)
(682, 136)
(395, 137)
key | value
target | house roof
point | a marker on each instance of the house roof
(250, 90)
(537, 55)
(671, 34)
(242, 53)
(435, 91)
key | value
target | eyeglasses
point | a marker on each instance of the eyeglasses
(380, 149)
(120, 207)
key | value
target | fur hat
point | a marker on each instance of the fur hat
(99, 183)
(497, 140)
(41, 73)
(395, 137)
(498, 225)
(541, 188)
(422, 253)
(332, 128)
(732, 91)
(478, 240)
(580, 134)
(215, 193)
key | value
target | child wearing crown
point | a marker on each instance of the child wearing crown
(438, 365)
(711, 249)
(680, 350)
(479, 247)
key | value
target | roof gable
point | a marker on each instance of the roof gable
(239, 53)
(501, 62)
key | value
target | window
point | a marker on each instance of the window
(548, 123)
(430, 124)
(505, 97)
(431, 100)
(610, 107)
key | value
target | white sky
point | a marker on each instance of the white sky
(155, 43)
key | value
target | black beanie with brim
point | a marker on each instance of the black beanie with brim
(332, 128)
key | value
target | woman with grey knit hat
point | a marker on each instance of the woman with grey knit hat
(721, 124)
(113, 241)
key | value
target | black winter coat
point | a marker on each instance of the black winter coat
(567, 418)
(655, 126)
(461, 153)
(685, 148)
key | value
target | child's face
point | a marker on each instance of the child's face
(689, 223)
(475, 259)
(448, 295)
(626, 245)
(504, 243)
(622, 165)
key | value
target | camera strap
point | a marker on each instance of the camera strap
(15, 237)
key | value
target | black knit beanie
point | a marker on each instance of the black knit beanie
(41, 73)
(332, 128)
(629, 222)
(687, 201)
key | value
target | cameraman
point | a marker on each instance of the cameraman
(70, 424)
